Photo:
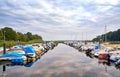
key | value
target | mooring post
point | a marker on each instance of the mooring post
(4, 45)
(4, 48)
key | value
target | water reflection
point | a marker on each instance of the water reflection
(105, 62)
(3, 71)
(63, 61)
(117, 66)
(4, 68)
(7, 64)
(26, 64)
(89, 55)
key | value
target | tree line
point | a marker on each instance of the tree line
(110, 36)
(12, 35)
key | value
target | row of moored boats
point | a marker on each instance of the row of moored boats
(101, 52)
(24, 53)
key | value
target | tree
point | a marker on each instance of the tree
(1, 35)
(35, 36)
(22, 37)
(9, 33)
(111, 36)
(29, 35)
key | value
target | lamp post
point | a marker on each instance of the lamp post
(4, 45)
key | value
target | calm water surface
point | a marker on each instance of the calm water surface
(62, 61)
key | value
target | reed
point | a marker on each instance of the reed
(13, 43)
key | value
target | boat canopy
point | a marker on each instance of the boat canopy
(29, 49)
(97, 47)
(12, 54)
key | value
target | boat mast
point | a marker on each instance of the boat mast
(82, 36)
(105, 33)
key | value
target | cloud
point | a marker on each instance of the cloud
(60, 19)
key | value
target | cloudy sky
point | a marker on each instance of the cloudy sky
(61, 19)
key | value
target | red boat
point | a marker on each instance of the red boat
(103, 56)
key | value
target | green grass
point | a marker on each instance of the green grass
(13, 43)
(57, 42)
(34, 41)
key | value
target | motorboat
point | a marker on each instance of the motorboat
(14, 57)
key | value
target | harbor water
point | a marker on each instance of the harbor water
(62, 61)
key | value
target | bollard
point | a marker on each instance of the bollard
(4, 48)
